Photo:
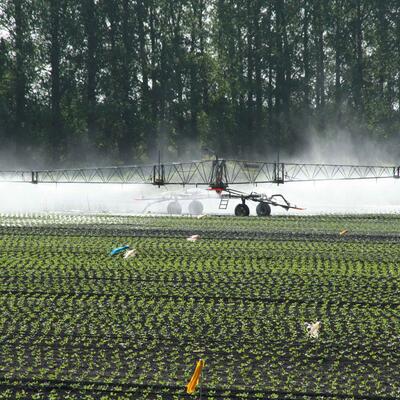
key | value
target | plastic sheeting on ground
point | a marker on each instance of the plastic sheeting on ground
(118, 250)
(193, 238)
(130, 253)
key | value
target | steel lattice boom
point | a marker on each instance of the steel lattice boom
(210, 172)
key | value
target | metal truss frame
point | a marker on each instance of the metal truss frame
(198, 173)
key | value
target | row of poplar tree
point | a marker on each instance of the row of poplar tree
(124, 78)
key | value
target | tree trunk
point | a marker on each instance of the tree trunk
(382, 29)
(113, 57)
(270, 99)
(141, 14)
(306, 60)
(20, 79)
(178, 85)
(269, 63)
(280, 73)
(320, 73)
(154, 82)
(119, 61)
(56, 137)
(398, 57)
(194, 98)
(287, 62)
(241, 137)
(126, 145)
(250, 71)
(358, 78)
(203, 71)
(258, 71)
(91, 65)
(338, 59)
(146, 115)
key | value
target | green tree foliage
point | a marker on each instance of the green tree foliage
(121, 80)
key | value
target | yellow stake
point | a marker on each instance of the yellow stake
(195, 379)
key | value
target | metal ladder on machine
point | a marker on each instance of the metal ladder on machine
(223, 203)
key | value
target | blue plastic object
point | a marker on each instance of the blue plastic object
(118, 250)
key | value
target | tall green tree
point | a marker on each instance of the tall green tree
(117, 81)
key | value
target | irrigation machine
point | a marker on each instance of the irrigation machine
(216, 175)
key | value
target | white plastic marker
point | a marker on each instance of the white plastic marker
(130, 253)
(313, 329)
(193, 238)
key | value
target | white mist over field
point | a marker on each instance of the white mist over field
(366, 196)
(352, 196)
(339, 197)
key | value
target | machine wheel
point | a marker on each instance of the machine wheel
(263, 209)
(196, 207)
(242, 210)
(174, 208)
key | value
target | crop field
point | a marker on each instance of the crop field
(77, 323)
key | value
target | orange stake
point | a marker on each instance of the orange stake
(195, 379)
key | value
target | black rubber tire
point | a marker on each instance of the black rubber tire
(174, 208)
(196, 207)
(263, 209)
(242, 210)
